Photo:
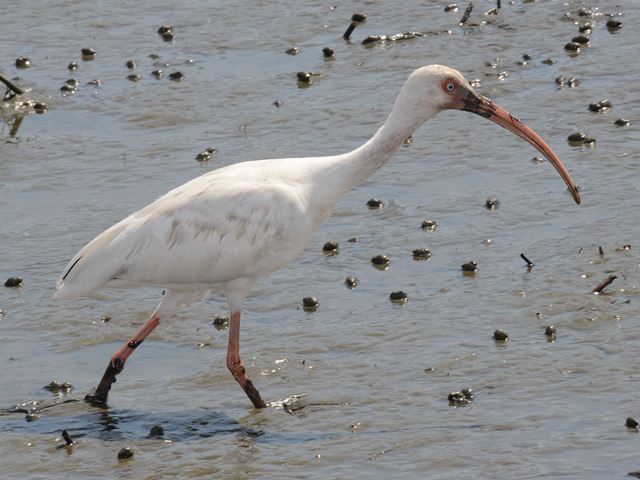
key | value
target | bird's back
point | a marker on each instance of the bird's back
(241, 221)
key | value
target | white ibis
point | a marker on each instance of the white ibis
(225, 230)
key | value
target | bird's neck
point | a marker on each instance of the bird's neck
(350, 169)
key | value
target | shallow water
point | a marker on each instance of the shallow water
(377, 374)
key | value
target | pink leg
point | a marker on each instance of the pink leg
(235, 365)
(99, 396)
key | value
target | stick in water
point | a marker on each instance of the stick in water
(529, 262)
(11, 85)
(467, 12)
(604, 284)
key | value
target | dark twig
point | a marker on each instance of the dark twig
(356, 20)
(600, 250)
(11, 85)
(609, 280)
(466, 14)
(67, 438)
(529, 262)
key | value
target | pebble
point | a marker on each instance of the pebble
(66, 88)
(156, 431)
(330, 247)
(380, 261)
(88, 54)
(398, 297)
(13, 282)
(292, 51)
(328, 52)
(500, 336)
(375, 203)
(622, 122)
(353, 240)
(581, 39)
(221, 322)
(585, 28)
(470, 267)
(130, 64)
(492, 203)
(206, 155)
(572, 47)
(351, 282)
(429, 225)
(579, 138)
(95, 82)
(105, 318)
(73, 66)
(56, 387)
(304, 77)
(176, 76)
(549, 61)
(40, 108)
(451, 8)
(278, 103)
(125, 453)
(632, 423)
(613, 25)
(31, 417)
(601, 106)
(134, 77)
(421, 254)
(23, 62)
(550, 331)
(164, 29)
(158, 74)
(461, 398)
(310, 304)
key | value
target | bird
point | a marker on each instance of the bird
(225, 230)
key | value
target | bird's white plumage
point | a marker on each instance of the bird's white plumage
(234, 225)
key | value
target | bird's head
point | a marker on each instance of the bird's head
(435, 88)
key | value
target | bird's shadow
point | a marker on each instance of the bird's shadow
(51, 417)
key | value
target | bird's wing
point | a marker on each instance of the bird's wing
(216, 228)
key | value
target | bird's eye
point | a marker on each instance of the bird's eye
(451, 87)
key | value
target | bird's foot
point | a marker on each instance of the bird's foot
(98, 397)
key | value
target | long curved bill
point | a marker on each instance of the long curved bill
(486, 108)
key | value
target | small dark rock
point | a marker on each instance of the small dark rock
(13, 282)
(622, 122)
(73, 66)
(31, 417)
(468, 393)
(130, 64)
(398, 297)
(328, 52)
(278, 103)
(156, 431)
(105, 318)
(572, 47)
(351, 282)
(221, 322)
(429, 225)
(550, 331)
(375, 203)
(589, 141)
(613, 25)
(168, 36)
(158, 74)
(580, 39)
(206, 155)
(88, 54)
(576, 138)
(125, 453)
(95, 82)
(330, 247)
(164, 29)
(601, 106)
(585, 28)
(310, 304)
(353, 240)
(572, 82)
(134, 77)
(176, 76)
(358, 17)
(304, 77)
(470, 267)
(292, 51)
(23, 62)
(56, 387)
(66, 88)
(632, 423)
(458, 399)
(451, 8)
(526, 57)
(500, 336)
(421, 254)
(492, 203)
(549, 61)
(380, 261)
